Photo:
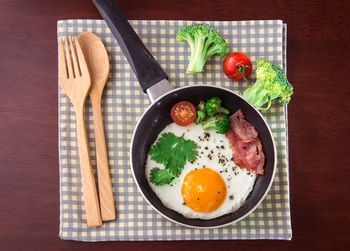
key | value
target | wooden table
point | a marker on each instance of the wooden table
(318, 67)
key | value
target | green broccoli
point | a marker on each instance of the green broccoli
(271, 83)
(220, 122)
(201, 115)
(213, 106)
(204, 42)
(201, 106)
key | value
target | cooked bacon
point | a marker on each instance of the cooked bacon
(245, 144)
(243, 129)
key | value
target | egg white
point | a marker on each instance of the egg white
(213, 152)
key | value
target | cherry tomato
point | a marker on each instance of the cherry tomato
(237, 66)
(183, 113)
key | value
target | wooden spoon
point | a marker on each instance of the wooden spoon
(98, 63)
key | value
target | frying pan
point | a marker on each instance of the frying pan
(163, 96)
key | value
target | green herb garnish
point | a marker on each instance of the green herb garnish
(160, 177)
(172, 152)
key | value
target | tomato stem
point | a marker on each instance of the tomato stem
(240, 70)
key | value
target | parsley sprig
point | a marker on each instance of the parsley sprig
(172, 152)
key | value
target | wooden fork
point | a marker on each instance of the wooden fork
(76, 84)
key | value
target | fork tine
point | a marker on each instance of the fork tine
(62, 63)
(83, 66)
(69, 59)
(74, 57)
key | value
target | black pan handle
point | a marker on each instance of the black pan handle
(146, 68)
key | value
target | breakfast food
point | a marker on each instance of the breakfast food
(245, 144)
(210, 184)
(208, 168)
(183, 113)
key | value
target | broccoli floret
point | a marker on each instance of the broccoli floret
(213, 106)
(271, 83)
(201, 116)
(201, 106)
(204, 42)
(220, 122)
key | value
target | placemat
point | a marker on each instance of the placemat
(123, 104)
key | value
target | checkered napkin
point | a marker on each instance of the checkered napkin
(123, 104)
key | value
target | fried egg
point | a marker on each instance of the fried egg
(211, 186)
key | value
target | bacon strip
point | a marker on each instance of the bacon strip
(245, 144)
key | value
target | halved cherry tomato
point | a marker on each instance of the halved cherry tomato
(183, 113)
(237, 66)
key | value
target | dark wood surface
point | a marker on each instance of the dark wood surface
(318, 67)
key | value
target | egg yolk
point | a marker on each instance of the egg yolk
(203, 190)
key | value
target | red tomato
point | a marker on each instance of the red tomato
(183, 113)
(237, 66)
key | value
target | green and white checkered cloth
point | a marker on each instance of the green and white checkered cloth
(123, 104)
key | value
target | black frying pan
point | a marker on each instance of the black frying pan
(153, 81)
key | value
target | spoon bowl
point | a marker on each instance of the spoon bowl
(97, 59)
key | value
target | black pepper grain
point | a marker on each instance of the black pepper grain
(206, 136)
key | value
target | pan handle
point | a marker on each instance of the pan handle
(146, 68)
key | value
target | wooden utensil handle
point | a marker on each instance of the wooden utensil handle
(104, 181)
(93, 215)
